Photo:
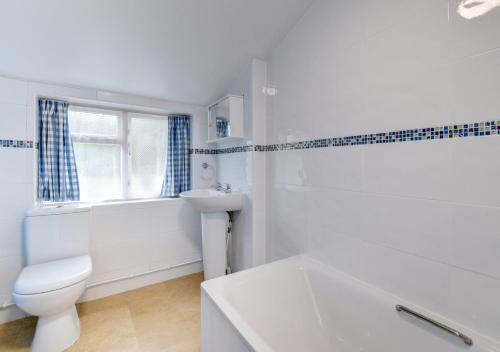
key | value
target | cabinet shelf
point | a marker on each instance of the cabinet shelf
(225, 119)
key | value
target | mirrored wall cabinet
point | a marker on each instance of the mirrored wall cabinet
(225, 119)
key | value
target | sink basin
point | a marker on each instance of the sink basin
(213, 206)
(212, 201)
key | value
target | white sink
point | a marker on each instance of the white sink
(214, 206)
(212, 201)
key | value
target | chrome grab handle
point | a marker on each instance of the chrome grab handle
(466, 339)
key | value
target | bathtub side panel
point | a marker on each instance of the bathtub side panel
(217, 335)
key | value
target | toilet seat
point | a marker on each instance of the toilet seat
(53, 275)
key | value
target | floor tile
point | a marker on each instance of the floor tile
(162, 317)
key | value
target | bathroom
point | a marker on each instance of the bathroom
(264, 175)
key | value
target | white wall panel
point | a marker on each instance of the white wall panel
(415, 218)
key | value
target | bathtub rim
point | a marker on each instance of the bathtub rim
(233, 318)
(214, 290)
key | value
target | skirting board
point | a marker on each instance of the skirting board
(116, 287)
(108, 289)
(10, 314)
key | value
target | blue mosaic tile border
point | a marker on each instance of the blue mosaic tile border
(10, 143)
(465, 130)
(420, 134)
(231, 150)
(478, 129)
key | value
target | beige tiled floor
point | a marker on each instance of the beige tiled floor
(162, 317)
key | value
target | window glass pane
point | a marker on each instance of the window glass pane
(93, 122)
(99, 171)
(148, 145)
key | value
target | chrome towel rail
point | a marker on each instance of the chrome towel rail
(467, 340)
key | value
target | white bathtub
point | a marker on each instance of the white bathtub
(298, 304)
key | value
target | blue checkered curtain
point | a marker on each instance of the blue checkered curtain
(178, 164)
(57, 175)
(222, 128)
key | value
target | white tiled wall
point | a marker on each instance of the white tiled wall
(236, 169)
(419, 219)
(16, 186)
(127, 239)
(247, 171)
(135, 238)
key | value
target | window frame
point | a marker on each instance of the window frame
(122, 139)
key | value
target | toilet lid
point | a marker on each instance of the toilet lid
(53, 275)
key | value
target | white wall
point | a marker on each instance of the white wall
(127, 238)
(259, 162)
(246, 171)
(16, 185)
(419, 219)
(236, 169)
(133, 238)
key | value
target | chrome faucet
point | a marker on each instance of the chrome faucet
(226, 188)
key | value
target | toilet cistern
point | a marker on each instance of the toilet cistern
(58, 265)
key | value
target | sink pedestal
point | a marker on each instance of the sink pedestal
(214, 232)
(214, 206)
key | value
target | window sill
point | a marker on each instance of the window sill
(142, 203)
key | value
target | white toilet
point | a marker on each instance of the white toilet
(57, 247)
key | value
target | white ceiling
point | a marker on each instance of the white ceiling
(184, 50)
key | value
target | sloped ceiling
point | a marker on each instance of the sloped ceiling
(184, 50)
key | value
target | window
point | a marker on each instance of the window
(118, 154)
(148, 151)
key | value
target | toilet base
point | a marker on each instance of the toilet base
(56, 332)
